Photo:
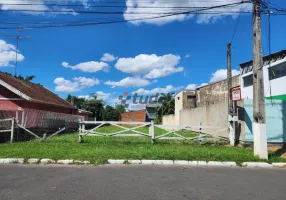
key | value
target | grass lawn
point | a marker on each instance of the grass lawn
(98, 149)
(158, 131)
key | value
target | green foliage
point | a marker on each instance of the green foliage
(95, 106)
(167, 108)
(120, 109)
(76, 100)
(111, 114)
(27, 78)
(98, 149)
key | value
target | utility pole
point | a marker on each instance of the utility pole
(17, 47)
(230, 110)
(259, 118)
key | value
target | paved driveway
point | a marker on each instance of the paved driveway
(139, 182)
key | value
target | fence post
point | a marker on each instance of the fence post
(12, 130)
(81, 129)
(44, 137)
(152, 132)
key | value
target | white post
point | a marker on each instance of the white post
(81, 130)
(23, 116)
(232, 133)
(152, 132)
(12, 130)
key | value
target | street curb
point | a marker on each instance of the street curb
(257, 164)
(47, 161)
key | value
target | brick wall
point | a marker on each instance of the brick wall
(134, 116)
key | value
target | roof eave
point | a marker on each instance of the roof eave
(59, 105)
(14, 90)
(24, 96)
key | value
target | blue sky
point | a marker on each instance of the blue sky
(160, 56)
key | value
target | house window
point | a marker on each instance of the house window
(277, 71)
(178, 98)
(191, 101)
(248, 80)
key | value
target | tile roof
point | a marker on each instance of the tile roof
(35, 92)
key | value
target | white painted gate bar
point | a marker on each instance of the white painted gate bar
(152, 135)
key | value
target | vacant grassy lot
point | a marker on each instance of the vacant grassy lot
(98, 149)
(158, 131)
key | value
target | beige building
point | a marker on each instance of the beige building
(206, 106)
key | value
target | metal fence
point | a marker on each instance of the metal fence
(31, 123)
(7, 125)
(133, 131)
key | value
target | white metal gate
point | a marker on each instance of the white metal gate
(169, 130)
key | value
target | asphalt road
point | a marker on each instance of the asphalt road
(139, 182)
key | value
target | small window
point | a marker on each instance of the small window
(178, 98)
(191, 98)
(248, 80)
(277, 71)
(191, 101)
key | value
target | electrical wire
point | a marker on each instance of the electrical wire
(139, 19)
(235, 29)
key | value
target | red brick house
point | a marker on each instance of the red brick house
(134, 116)
(33, 105)
(146, 115)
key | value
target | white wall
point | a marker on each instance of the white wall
(277, 85)
(169, 120)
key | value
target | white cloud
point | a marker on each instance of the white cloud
(129, 82)
(87, 97)
(152, 66)
(37, 6)
(221, 74)
(78, 84)
(157, 73)
(167, 89)
(187, 55)
(87, 82)
(108, 57)
(90, 67)
(8, 54)
(203, 84)
(149, 6)
(191, 87)
(100, 95)
(195, 86)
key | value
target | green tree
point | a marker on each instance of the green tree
(95, 106)
(167, 107)
(27, 78)
(120, 109)
(78, 102)
(111, 114)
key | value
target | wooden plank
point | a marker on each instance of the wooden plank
(59, 131)
(12, 131)
(115, 122)
(3, 131)
(5, 120)
(29, 131)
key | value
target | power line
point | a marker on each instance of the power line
(138, 19)
(235, 29)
